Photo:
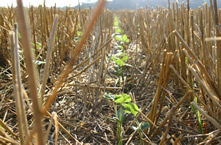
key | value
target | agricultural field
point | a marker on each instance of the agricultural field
(96, 76)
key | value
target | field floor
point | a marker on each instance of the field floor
(150, 76)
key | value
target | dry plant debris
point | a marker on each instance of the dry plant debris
(57, 64)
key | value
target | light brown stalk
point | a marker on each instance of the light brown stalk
(194, 94)
(76, 53)
(163, 82)
(98, 58)
(213, 121)
(17, 91)
(158, 92)
(92, 55)
(218, 43)
(55, 117)
(48, 57)
(31, 70)
(8, 140)
(8, 129)
(19, 86)
(162, 142)
(21, 131)
(170, 113)
(64, 130)
(213, 97)
(198, 62)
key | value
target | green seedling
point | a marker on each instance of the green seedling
(116, 21)
(38, 47)
(122, 38)
(118, 47)
(123, 102)
(118, 30)
(120, 59)
(140, 128)
(119, 35)
(37, 62)
(19, 35)
(197, 113)
(79, 33)
(186, 59)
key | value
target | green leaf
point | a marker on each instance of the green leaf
(118, 37)
(119, 62)
(79, 33)
(20, 51)
(131, 108)
(118, 70)
(109, 96)
(19, 35)
(125, 58)
(76, 38)
(38, 45)
(122, 98)
(186, 59)
(118, 54)
(116, 21)
(38, 62)
(121, 115)
(197, 113)
(127, 111)
(119, 47)
(145, 125)
(118, 30)
(122, 54)
(125, 39)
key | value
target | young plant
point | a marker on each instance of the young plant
(119, 60)
(79, 33)
(119, 35)
(141, 126)
(120, 57)
(122, 105)
(38, 45)
(197, 113)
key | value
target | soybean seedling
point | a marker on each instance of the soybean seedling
(119, 60)
(119, 35)
(120, 56)
(141, 126)
(123, 102)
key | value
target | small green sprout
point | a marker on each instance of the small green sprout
(120, 57)
(116, 21)
(118, 30)
(79, 33)
(122, 38)
(197, 113)
(125, 106)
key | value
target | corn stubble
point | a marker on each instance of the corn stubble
(175, 54)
